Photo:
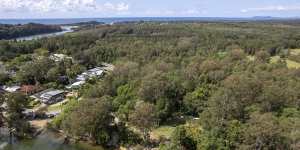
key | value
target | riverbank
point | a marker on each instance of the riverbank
(65, 29)
(15, 31)
(47, 139)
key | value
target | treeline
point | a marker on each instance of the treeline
(174, 38)
(15, 31)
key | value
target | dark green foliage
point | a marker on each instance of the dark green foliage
(14, 118)
(4, 77)
(90, 119)
(196, 101)
(15, 31)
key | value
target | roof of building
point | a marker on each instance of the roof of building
(59, 57)
(76, 84)
(11, 88)
(46, 94)
(51, 93)
(98, 71)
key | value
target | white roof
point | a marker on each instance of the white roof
(81, 78)
(90, 74)
(11, 88)
(76, 84)
(59, 57)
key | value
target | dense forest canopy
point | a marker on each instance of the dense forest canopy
(219, 85)
(15, 31)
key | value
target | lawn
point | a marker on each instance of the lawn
(54, 108)
(290, 64)
(295, 51)
(274, 59)
(162, 131)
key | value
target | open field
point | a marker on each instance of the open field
(295, 52)
(162, 132)
(290, 64)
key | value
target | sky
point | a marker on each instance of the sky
(147, 8)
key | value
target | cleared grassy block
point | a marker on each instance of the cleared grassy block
(295, 52)
(162, 132)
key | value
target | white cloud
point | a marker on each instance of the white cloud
(116, 7)
(60, 5)
(193, 12)
(188, 12)
(273, 8)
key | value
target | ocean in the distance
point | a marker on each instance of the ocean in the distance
(115, 20)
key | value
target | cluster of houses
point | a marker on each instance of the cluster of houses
(89, 74)
(52, 96)
(48, 96)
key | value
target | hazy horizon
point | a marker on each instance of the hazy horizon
(237, 17)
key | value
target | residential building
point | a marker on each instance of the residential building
(59, 57)
(95, 72)
(11, 89)
(75, 85)
(89, 74)
(50, 96)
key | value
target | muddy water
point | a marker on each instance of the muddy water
(47, 141)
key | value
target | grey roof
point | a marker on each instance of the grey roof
(48, 93)
(55, 92)
(90, 74)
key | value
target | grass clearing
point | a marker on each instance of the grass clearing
(295, 52)
(274, 59)
(54, 108)
(162, 132)
(292, 64)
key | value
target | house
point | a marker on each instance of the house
(50, 96)
(95, 72)
(11, 89)
(75, 85)
(59, 57)
(89, 74)
(81, 77)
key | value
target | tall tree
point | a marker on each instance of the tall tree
(144, 118)
(91, 118)
(14, 117)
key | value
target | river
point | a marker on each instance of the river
(65, 29)
(47, 141)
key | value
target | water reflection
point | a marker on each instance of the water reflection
(66, 29)
(48, 141)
